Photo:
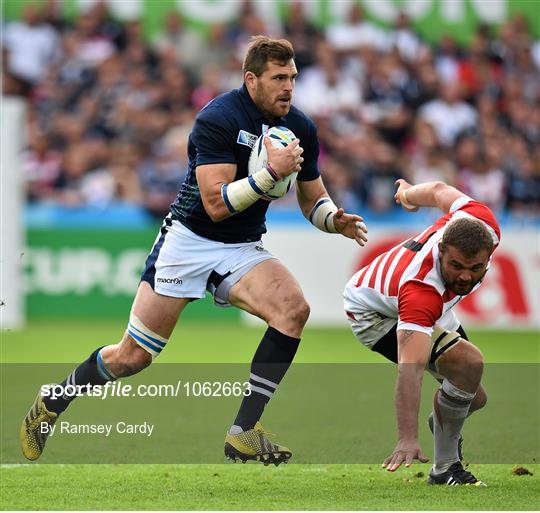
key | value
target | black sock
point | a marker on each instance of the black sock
(87, 373)
(270, 363)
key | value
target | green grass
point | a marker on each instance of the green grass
(254, 487)
(51, 341)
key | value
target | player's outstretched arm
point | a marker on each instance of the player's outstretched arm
(413, 353)
(321, 211)
(430, 194)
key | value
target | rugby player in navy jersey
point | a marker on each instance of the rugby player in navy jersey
(211, 241)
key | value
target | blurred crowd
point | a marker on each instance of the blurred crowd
(110, 110)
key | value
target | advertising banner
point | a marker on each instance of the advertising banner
(322, 263)
(92, 273)
(95, 273)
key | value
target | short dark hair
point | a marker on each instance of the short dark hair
(468, 236)
(262, 49)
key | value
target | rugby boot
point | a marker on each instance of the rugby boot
(31, 436)
(254, 444)
(454, 476)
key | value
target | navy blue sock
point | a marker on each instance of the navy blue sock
(270, 363)
(87, 374)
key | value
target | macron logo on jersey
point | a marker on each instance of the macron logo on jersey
(246, 139)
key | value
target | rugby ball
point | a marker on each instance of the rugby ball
(279, 137)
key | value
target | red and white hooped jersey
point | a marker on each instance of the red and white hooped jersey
(406, 284)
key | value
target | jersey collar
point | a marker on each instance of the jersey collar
(253, 111)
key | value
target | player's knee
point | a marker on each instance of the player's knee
(480, 399)
(296, 310)
(474, 361)
(128, 358)
(301, 312)
(464, 359)
(137, 359)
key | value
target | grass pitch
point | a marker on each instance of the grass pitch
(251, 486)
(254, 487)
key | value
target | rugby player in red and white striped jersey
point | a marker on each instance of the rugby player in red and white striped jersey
(400, 305)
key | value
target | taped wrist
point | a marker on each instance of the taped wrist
(241, 194)
(322, 215)
(404, 201)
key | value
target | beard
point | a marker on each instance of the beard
(268, 105)
(459, 287)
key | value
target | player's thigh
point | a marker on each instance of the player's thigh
(157, 312)
(268, 290)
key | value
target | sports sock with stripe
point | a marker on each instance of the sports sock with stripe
(91, 372)
(270, 363)
(451, 407)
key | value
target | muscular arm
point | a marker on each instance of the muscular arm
(210, 178)
(430, 194)
(332, 219)
(413, 354)
(309, 193)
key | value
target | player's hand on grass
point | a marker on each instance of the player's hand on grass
(287, 160)
(400, 195)
(405, 452)
(351, 226)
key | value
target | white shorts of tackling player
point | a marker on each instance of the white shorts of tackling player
(369, 327)
(184, 264)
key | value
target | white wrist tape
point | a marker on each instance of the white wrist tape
(322, 215)
(405, 203)
(241, 194)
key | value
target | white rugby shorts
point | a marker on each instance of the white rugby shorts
(184, 264)
(371, 319)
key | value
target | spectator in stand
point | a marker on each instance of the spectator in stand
(81, 184)
(41, 167)
(338, 180)
(483, 179)
(302, 34)
(323, 90)
(123, 169)
(31, 47)
(248, 24)
(162, 172)
(109, 88)
(447, 57)
(186, 44)
(405, 39)
(524, 186)
(93, 46)
(356, 32)
(386, 108)
(385, 103)
(209, 87)
(427, 161)
(379, 180)
(449, 114)
(423, 84)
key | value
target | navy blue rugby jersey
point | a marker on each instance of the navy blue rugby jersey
(225, 131)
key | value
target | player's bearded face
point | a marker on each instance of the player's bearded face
(273, 89)
(461, 273)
